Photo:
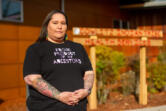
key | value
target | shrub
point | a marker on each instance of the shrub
(108, 65)
(157, 73)
(157, 77)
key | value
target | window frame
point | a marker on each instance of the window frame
(21, 20)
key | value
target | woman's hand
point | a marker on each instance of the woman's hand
(68, 98)
(81, 93)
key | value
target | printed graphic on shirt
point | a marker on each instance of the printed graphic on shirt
(65, 56)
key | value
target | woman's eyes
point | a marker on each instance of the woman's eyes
(55, 22)
(63, 23)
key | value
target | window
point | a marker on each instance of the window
(116, 24)
(11, 10)
(120, 24)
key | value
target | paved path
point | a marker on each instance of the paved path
(158, 108)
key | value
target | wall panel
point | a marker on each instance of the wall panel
(8, 52)
(10, 93)
(8, 32)
(28, 32)
(9, 76)
(20, 76)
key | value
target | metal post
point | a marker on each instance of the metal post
(63, 5)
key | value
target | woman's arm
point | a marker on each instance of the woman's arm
(88, 84)
(42, 86)
(47, 89)
(88, 80)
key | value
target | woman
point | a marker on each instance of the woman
(57, 71)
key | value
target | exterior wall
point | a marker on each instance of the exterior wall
(149, 19)
(89, 13)
(14, 40)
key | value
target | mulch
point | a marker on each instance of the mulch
(116, 102)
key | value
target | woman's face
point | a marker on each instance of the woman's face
(57, 27)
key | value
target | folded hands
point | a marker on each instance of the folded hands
(72, 98)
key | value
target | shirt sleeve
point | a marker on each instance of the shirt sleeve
(31, 62)
(87, 64)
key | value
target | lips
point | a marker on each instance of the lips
(60, 32)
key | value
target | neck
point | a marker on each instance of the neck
(55, 41)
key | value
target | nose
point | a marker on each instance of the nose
(59, 26)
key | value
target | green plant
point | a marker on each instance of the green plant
(162, 57)
(108, 65)
(157, 72)
(157, 77)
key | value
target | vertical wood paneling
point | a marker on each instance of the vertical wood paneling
(8, 32)
(150, 20)
(8, 52)
(92, 14)
(28, 32)
(20, 76)
(14, 40)
(22, 88)
(36, 10)
(9, 76)
(22, 92)
(10, 93)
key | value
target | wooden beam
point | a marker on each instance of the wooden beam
(108, 32)
(139, 5)
(118, 42)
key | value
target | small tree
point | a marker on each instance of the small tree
(108, 65)
(157, 73)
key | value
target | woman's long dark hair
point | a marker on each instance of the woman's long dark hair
(43, 31)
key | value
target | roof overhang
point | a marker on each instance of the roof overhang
(149, 4)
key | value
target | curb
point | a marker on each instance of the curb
(158, 108)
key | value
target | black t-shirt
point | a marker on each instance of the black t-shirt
(62, 65)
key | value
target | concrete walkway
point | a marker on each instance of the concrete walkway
(158, 108)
